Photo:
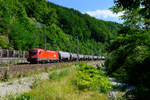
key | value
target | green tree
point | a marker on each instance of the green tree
(26, 23)
(128, 53)
(136, 12)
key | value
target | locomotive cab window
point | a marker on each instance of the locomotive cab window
(33, 52)
(39, 52)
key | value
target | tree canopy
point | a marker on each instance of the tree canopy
(136, 12)
(129, 53)
(27, 23)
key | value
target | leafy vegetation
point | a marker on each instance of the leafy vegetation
(60, 86)
(88, 77)
(6, 76)
(25, 24)
(58, 75)
(129, 53)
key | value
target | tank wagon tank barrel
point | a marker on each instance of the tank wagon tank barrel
(13, 56)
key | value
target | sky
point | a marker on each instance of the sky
(95, 8)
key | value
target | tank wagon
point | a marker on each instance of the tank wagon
(12, 56)
(64, 56)
(73, 56)
(40, 55)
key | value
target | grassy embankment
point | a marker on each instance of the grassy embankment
(83, 82)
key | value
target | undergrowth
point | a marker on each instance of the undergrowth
(88, 77)
(58, 75)
(83, 82)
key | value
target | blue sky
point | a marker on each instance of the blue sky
(95, 8)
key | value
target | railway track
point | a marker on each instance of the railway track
(30, 66)
(24, 69)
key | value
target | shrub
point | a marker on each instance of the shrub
(24, 96)
(63, 73)
(54, 76)
(58, 75)
(88, 77)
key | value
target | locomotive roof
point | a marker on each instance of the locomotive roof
(40, 49)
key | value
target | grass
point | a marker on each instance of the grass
(28, 73)
(58, 75)
(6, 76)
(32, 72)
(60, 87)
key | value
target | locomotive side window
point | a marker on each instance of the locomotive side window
(39, 52)
(33, 52)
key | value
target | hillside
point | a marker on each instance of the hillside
(25, 24)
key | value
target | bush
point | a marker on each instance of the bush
(25, 96)
(63, 73)
(54, 76)
(58, 75)
(88, 77)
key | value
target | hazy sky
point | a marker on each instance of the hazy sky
(95, 8)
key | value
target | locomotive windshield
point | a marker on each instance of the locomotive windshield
(33, 52)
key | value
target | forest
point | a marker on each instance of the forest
(128, 55)
(26, 24)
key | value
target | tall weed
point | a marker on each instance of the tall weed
(6, 75)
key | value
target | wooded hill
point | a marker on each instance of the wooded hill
(24, 24)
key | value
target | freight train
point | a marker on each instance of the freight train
(37, 55)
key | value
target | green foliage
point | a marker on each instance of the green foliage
(35, 82)
(20, 75)
(128, 58)
(136, 12)
(26, 23)
(54, 76)
(6, 76)
(58, 75)
(138, 94)
(129, 54)
(88, 77)
(25, 96)
(63, 73)
(59, 90)
(4, 42)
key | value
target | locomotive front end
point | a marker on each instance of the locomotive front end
(33, 56)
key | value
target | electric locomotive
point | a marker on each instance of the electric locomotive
(40, 55)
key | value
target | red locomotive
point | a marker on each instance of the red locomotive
(41, 55)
